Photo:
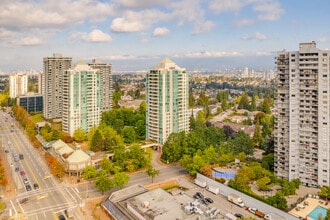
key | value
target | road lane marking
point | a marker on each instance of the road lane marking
(12, 204)
(28, 165)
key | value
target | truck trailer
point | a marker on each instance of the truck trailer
(213, 189)
(201, 183)
(236, 199)
(260, 214)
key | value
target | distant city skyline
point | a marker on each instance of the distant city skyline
(133, 35)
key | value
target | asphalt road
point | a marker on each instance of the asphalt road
(52, 197)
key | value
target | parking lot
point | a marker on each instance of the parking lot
(219, 201)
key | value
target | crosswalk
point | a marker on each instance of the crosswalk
(45, 202)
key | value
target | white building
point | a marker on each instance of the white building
(18, 85)
(106, 78)
(167, 92)
(82, 102)
(302, 131)
(52, 86)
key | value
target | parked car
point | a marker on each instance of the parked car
(35, 186)
(252, 210)
(25, 200)
(209, 200)
(61, 217)
(22, 173)
(26, 181)
(16, 169)
(7, 151)
(198, 195)
(204, 201)
(21, 157)
(28, 187)
(238, 215)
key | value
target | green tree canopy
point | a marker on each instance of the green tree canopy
(128, 133)
(103, 183)
(120, 179)
(79, 135)
(152, 172)
(89, 172)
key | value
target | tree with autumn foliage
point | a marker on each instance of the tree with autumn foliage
(55, 166)
(3, 178)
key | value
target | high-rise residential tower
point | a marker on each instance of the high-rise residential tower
(18, 85)
(82, 98)
(167, 92)
(106, 78)
(54, 68)
(302, 126)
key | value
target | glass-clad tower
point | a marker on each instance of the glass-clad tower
(82, 96)
(167, 92)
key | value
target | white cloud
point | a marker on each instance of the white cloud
(141, 3)
(137, 21)
(208, 54)
(203, 27)
(120, 57)
(30, 41)
(160, 31)
(5, 34)
(269, 11)
(52, 14)
(191, 11)
(264, 53)
(97, 36)
(226, 5)
(244, 22)
(255, 36)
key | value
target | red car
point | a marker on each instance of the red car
(22, 173)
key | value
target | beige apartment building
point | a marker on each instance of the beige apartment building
(302, 127)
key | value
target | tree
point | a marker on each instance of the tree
(106, 165)
(91, 133)
(244, 102)
(140, 128)
(79, 135)
(263, 183)
(242, 143)
(89, 172)
(111, 138)
(288, 188)
(116, 96)
(278, 201)
(253, 103)
(96, 143)
(120, 179)
(324, 192)
(210, 155)
(196, 165)
(103, 183)
(328, 215)
(172, 149)
(257, 136)
(191, 98)
(152, 172)
(128, 133)
(224, 105)
(118, 125)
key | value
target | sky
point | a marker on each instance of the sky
(135, 35)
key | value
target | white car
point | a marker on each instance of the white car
(252, 210)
